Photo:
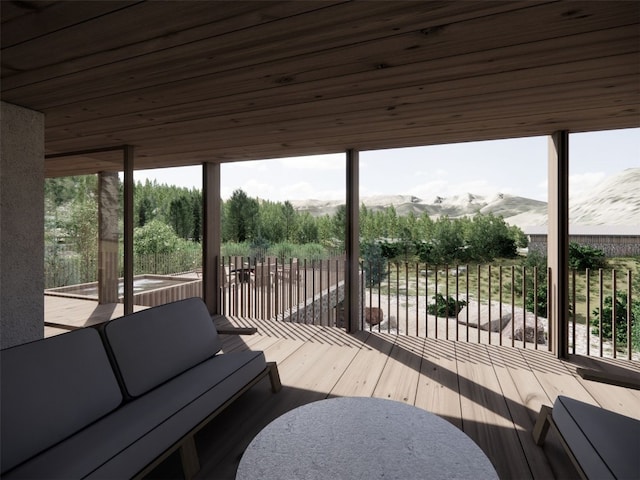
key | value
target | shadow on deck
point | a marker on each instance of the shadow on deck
(492, 393)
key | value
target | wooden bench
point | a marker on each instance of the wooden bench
(114, 401)
(601, 444)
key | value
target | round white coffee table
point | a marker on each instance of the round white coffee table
(362, 438)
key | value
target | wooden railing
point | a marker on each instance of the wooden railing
(492, 304)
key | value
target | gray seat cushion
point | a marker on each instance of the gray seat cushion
(151, 346)
(121, 444)
(606, 444)
(52, 388)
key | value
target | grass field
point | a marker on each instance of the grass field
(504, 281)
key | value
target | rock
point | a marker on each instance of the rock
(521, 328)
(496, 324)
(373, 315)
(526, 329)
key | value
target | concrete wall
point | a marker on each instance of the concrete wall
(21, 225)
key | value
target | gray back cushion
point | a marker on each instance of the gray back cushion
(151, 346)
(52, 388)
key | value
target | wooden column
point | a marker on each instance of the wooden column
(558, 243)
(352, 242)
(108, 237)
(211, 236)
(128, 228)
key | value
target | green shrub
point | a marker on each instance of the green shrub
(621, 320)
(582, 257)
(155, 237)
(445, 307)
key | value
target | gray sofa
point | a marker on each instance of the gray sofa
(112, 402)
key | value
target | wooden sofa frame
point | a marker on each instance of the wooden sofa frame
(601, 444)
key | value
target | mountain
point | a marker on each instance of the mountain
(615, 202)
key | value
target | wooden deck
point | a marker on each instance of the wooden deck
(62, 314)
(492, 393)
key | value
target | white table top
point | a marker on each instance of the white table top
(362, 438)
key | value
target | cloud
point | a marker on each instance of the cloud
(253, 188)
(318, 162)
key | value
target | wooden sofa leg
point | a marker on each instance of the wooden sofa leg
(274, 376)
(189, 458)
(542, 425)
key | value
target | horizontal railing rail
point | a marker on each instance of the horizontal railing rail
(504, 304)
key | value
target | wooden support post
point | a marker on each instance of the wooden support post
(352, 245)
(542, 424)
(211, 236)
(189, 458)
(108, 237)
(274, 377)
(128, 228)
(558, 242)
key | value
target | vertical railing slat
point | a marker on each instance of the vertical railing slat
(613, 311)
(600, 309)
(435, 296)
(478, 300)
(573, 308)
(588, 302)
(629, 304)
(489, 302)
(417, 298)
(446, 299)
(524, 306)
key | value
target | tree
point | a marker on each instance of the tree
(489, 237)
(145, 211)
(272, 223)
(290, 219)
(181, 216)
(307, 230)
(448, 243)
(374, 264)
(83, 225)
(155, 237)
(339, 224)
(196, 209)
(241, 217)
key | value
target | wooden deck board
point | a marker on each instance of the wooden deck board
(399, 378)
(523, 397)
(493, 393)
(361, 378)
(485, 415)
(438, 390)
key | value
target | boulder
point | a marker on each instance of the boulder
(481, 319)
(373, 315)
(524, 326)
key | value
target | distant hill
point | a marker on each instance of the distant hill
(615, 202)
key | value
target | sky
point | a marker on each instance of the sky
(514, 166)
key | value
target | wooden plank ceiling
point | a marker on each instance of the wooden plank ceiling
(186, 82)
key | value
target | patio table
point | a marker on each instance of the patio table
(362, 438)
